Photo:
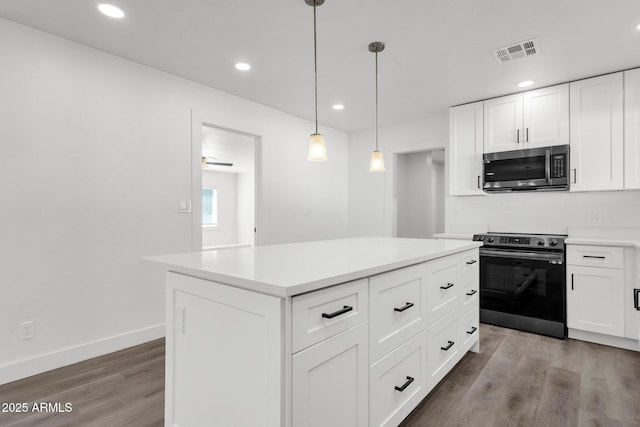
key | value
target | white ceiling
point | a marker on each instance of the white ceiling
(439, 53)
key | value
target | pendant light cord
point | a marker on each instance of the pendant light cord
(315, 61)
(376, 101)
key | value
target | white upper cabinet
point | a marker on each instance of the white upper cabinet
(538, 118)
(503, 123)
(546, 116)
(596, 107)
(632, 129)
(465, 150)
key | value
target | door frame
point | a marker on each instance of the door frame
(197, 121)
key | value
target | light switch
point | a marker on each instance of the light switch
(184, 206)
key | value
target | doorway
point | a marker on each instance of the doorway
(225, 188)
(420, 193)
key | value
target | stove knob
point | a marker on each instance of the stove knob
(478, 238)
(490, 240)
(553, 242)
(541, 242)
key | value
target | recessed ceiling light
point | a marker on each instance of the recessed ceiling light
(242, 66)
(526, 83)
(111, 11)
(638, 27)
(338, 107)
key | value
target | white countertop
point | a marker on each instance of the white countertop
(604, 236)
(291, 269)
(597, 241)
(458, 236)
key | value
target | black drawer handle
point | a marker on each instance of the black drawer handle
(449, 345)
(449, 285)
(405, 385)
(344, 310)
(473, 261)
(636, 299)
(594, 256)
(472, 331)
(407, 306)
(473, 292)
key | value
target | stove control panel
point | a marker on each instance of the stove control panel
(539, 241)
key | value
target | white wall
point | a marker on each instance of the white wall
(372, 198)
(226, 232)
(94, 157)
(246, 208)
(371, 195)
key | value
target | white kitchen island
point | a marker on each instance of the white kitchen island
(348, 332)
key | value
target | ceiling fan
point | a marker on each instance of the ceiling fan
(205, 162)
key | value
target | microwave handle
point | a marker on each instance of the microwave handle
(547, 167)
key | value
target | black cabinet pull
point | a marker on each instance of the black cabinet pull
(636, 299)
(449, 345)
(406, 306)
(473, 292)
(449, 285)
(405, 385)
(473, 261)
(344, 310)
(518, 136)
(478, 181)
(593, 256)
(571, 281)
(472, 331)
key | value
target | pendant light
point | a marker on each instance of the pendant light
(317, 149)
(377, 161)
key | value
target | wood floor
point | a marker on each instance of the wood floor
(517, 379)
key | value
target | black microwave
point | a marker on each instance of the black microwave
(531, 169)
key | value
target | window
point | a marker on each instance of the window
(210, 206)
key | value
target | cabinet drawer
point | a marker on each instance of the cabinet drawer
(469, 263)
(322, 314)
(443, 346)
(471, 292)
(469, 329)
(595, 256)
(396, 307)
(398, 382)
(443, 289)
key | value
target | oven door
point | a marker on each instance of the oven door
(523, 283)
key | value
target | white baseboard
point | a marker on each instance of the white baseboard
(36, 365)
(594, 337)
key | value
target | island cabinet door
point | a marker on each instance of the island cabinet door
(330, 381)
(223, 357)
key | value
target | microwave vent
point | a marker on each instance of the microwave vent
(520, 50)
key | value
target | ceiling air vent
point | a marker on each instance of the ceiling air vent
(519, 50)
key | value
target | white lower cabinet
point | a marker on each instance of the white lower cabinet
(443, 345)
(398, 382)
(469, 329)
(367, 352)
(330, 381)
(595, 289)
(595, 300)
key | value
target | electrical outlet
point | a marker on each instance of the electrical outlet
(596, 217)
(26, 330)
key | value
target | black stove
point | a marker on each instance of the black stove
(522, 282)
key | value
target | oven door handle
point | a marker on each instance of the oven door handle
(521, 255)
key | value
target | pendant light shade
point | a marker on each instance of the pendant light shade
(317, 148)
(377, 161)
